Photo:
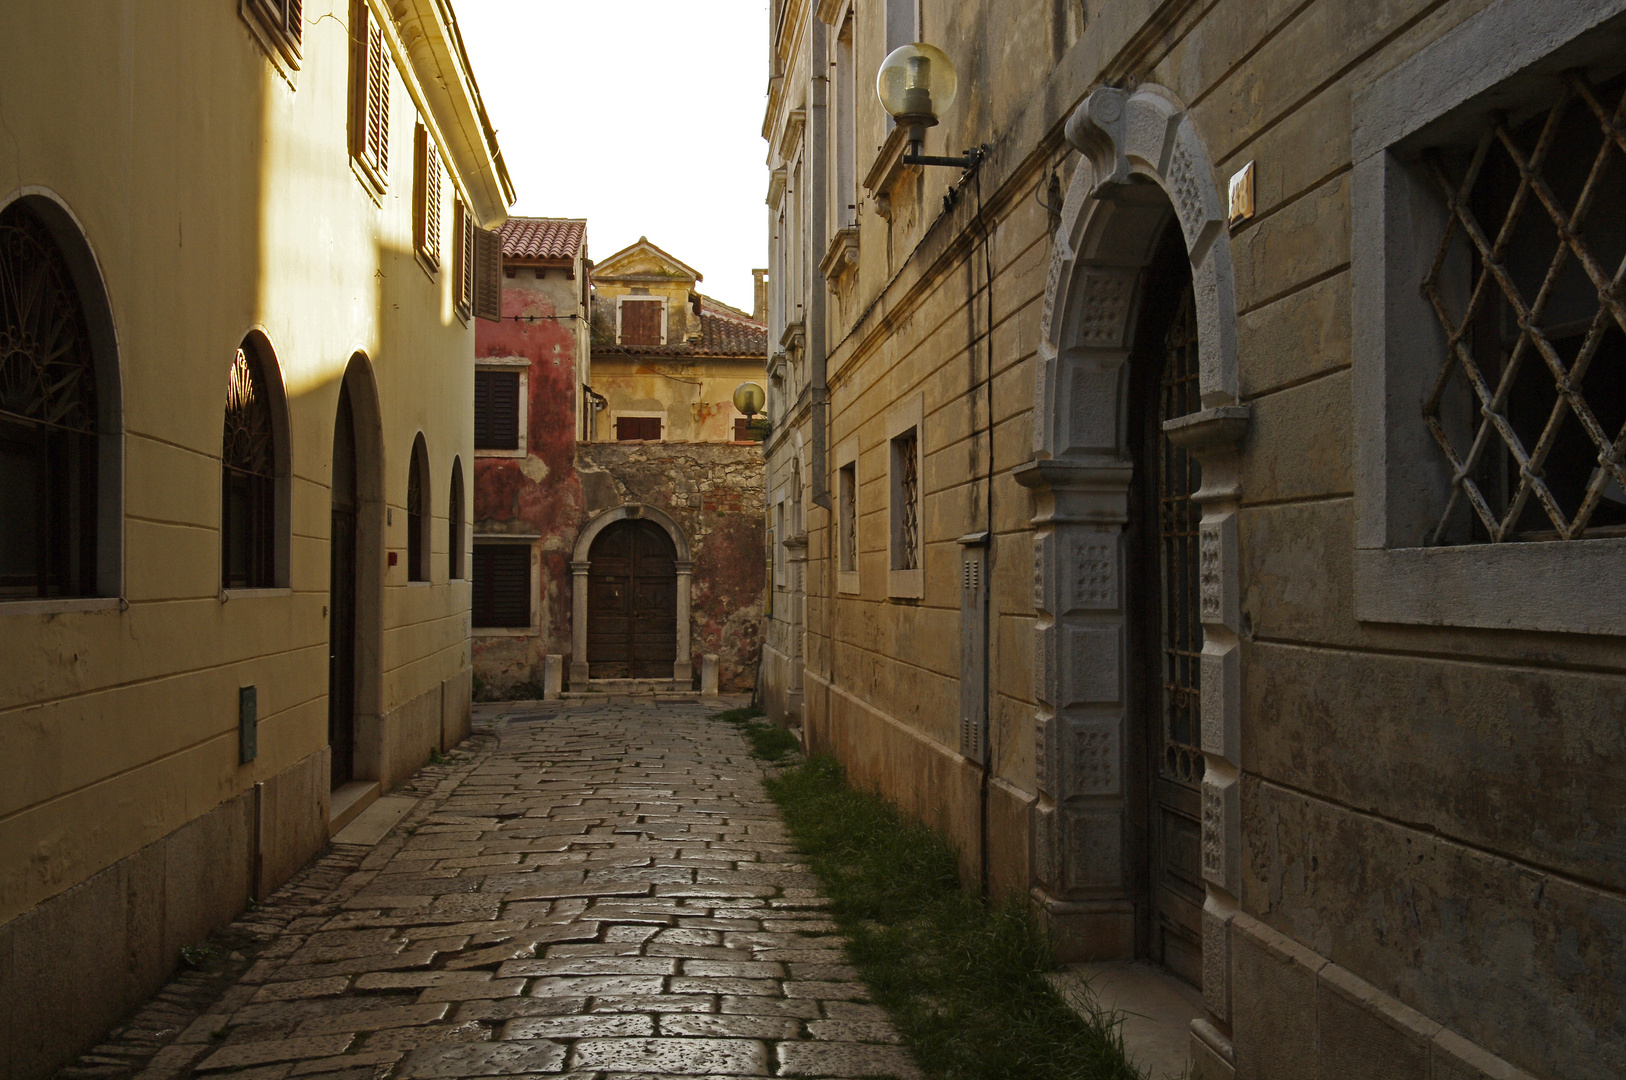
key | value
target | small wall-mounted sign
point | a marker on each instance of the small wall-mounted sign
(1241, 201)
(395, 557)
(248, 711)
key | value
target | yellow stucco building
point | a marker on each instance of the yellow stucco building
(241, 254)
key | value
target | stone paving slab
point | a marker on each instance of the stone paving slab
(599, 888)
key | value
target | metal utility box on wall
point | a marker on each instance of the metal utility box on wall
(974, 646)
(247, 724)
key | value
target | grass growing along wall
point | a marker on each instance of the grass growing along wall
(962, 978)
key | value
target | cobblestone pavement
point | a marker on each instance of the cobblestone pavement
(593, 888)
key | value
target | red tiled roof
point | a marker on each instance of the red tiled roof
(724, 331)
(542, 238)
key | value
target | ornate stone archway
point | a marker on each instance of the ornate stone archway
(580, 565)
(1143, 162)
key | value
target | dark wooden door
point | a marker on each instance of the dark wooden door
(341, 658)
(1166, 625)
(632, 603)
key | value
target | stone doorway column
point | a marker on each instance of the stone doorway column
(578, 623)
(683, 668)
(796, 571)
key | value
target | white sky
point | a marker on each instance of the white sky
(642, 116)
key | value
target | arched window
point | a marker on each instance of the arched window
(454, 524)
(418, 512)
(50, 417)
(248, 477)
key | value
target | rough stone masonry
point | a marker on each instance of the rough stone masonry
(594, 888)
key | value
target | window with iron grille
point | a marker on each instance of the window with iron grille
(1528, 409)
(906, 501)
(1489, 363)
(847, 481)
(502, 585)
(370, 67)
(48, 418)
(248, 479)
(280, 24)
(496, 410)
(417, 509)
(638, 427)
(426, 198)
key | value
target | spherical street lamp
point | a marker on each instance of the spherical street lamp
(916, 84)
(749, 399)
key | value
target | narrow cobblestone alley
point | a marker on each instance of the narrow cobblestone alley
(595, 888)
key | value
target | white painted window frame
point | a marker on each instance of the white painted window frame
(665, 311)
(1576, 586)
(522, 365)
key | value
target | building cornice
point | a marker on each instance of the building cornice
(429, 54)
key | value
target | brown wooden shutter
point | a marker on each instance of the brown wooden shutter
(378, 101)
(742, 431)
(426, 196)
(502, 585)
(432, 222)
(487, 275)
(496, 410)
(464, 225)
(641, 322)
(637, 427)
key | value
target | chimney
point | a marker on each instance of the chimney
(759, 296)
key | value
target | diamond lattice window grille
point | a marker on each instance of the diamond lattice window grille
(909, 493)
(1529, 407)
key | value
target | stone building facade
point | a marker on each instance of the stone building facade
(1208, 508)
(619, 432)
(237, 320)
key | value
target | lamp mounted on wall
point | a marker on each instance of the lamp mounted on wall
(749, 399)
(916, 83)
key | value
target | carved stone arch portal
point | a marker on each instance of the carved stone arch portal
(1143, 163)
(581, 565)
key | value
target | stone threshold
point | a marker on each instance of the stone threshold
(348, 801)
(1153, 1008)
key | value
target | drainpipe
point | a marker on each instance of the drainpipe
(818, 212)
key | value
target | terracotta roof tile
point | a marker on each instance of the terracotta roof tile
(542, 238)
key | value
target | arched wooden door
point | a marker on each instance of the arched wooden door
(632, 602)
(1166, 625)
(341, 657)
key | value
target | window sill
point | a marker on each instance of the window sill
(370, 180)
(847, 582)
(504, 631)
(906, 584)
(249, 594)
(68, 605)
(486, 453)
(1574, 587)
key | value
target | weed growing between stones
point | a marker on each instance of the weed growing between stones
(962, 977)
(768, 742)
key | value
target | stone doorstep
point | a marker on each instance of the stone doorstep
(375, 822)
(348, 801)
(1154, 1009)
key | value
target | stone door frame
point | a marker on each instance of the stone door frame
(1143, 162)
(581, 564)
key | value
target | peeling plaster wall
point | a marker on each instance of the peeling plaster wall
(712, 489)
